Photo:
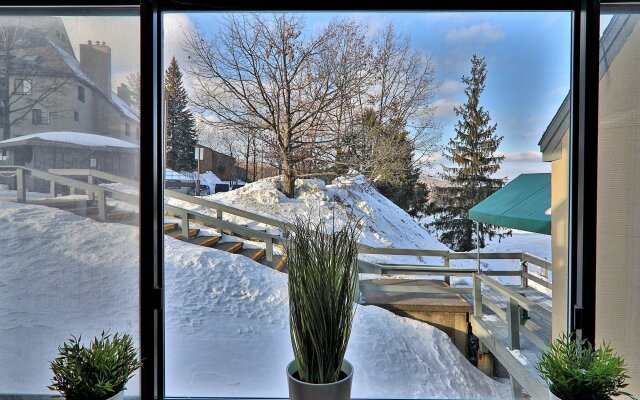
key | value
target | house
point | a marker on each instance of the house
(47, 87)
(224, 166)
(70, 150)
(618, 217)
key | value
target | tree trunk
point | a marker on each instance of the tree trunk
(289, 183)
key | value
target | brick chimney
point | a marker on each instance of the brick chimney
(95, 62)
(124, 93)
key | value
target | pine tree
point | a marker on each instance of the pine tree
(472, 153)
(181, 127)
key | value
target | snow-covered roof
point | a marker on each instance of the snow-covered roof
(76, 138)
(74, 65)
(173, 175)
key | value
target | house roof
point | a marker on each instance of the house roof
(75, 139)
(613, 39)
(521, 204)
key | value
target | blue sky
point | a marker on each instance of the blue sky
(528, 62)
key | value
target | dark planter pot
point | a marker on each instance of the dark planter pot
(340, 390)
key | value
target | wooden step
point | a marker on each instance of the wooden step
(205, 241)
(277, 263)
(230, 247)
(170, 227)
(177, 233)
(254, 254)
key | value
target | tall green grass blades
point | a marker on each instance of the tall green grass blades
(98, 371)
(323, 276)
(574, 370)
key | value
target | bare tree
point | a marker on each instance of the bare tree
(29, 61)
(260, 73)
(133, 83)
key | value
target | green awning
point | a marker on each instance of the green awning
(521, 204)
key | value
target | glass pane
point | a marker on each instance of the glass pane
(617, 254)
(69, 179)
(402, 121)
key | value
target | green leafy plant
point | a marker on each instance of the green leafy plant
(96, 372)
(323, 277)
(574, 370)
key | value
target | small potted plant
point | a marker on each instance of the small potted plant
(574, 370)
(323, 277)
(97, 372)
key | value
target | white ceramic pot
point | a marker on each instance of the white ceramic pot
(119, 396)
(553, 396)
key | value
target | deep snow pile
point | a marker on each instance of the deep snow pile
(226, 316)
(346, 199)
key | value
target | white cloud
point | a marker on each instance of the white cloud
(450, 85)
(174, 27)
(485, 32)
(522, 156)
(443, 109)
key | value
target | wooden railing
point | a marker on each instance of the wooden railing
(96, 192)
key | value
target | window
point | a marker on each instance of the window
(398, 65)
(77, 273)
(127, 129)
(22, 86)
(40, 116)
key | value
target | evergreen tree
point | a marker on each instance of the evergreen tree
(181, 127)
(472, 153)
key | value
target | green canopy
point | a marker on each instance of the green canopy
(521, 204)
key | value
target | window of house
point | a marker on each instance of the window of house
(77, 272)
(22, 86)
(40, 116)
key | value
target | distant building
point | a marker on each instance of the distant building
(52, 89)
(224, 166)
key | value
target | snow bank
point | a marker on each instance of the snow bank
(210, 179)
(346, 199)
(226, 316)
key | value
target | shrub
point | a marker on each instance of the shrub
(323, 277)
(96, 372)
(573, 369)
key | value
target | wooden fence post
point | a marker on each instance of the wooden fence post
(516, 389)
(447, 278)
(92, 195)
(102, 205)
(513, 324)
(477, 296)
(185, 226)
(524, 282)
(52, 188)
(20, 186)
(219, 216)
(269, 249)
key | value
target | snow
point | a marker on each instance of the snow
(210, 179)
(226, 316)
(77, 138)
(173, 175)
(346, 199)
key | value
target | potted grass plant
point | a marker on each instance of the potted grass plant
(99, 371)
(575, 370)
(323, 276)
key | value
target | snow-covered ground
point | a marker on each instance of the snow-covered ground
(226, 316)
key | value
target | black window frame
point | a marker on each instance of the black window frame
(37, 116)
(81, 93)
(583, 141)
(21, 86)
